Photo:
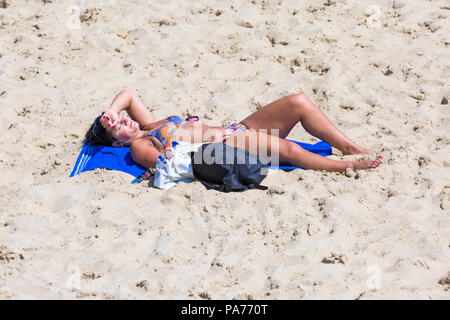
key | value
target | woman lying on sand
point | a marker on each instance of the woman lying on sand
(147, 138)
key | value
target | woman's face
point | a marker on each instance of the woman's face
(124, 131)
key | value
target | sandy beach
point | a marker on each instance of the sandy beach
(379, 70)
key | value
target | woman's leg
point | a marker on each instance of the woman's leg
(265, 145)
(283, 114)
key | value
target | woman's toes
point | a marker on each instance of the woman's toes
(368, 164)
(377, 161)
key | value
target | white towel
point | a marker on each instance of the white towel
(174, 165)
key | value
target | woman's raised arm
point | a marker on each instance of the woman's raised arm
(129, 101)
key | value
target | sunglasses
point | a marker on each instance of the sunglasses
(96, 131)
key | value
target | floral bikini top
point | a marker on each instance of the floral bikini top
(165, 133)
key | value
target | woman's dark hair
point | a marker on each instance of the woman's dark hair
(98, 135)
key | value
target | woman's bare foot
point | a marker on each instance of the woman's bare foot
(355, 149)
(367, 164)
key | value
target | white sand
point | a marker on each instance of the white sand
(312, 235)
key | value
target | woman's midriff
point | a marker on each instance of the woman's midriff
(192, 132)
(196, 132)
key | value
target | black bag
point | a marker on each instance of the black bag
(224, 168)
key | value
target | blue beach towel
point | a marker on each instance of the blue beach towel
(113, 158)
(321, 148)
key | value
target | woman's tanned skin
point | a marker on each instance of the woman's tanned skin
(270, 124)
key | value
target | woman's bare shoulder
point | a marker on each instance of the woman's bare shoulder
(144, 152)
(142, 144)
